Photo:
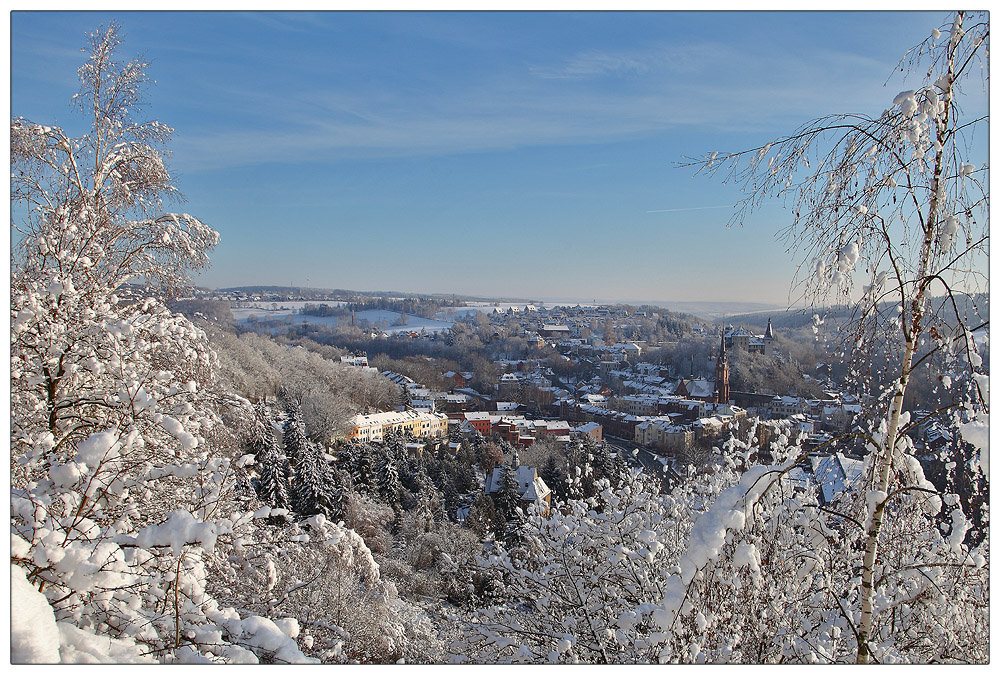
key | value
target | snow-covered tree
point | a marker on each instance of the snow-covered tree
(584, 583)
(314, 488)
(122, 443)
(507, 497)
(899, 200)
(273, 471)
(387, 484)
(293, 432)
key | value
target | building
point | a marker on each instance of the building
(835, 474)
(373, 428)
(786, 406)
(509, 386)
(664, 435)
(698, 389)
(530, 486)
(554, 331)
(481, 421)
(738, 337)
(591, 430)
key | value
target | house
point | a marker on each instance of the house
(786, 406)
(629, 351)
(590, 430)
(453, 403)
(554, 330)
(508, 386)
(665, 435)
(698, 389)
(530, 486)
(481, 421)
(356, 361)
(835, 474)
(459, 379)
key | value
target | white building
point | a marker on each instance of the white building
(530, 486)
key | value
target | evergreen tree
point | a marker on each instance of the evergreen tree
(482, 516)
(452, 499)
(388, 489)
(272, 466)
(294, 433)
(508, 497)
(259, 434)
(553, 472)
(314, 489)
(464, 478)
(356, 461)
(272, 485)
(606, 465)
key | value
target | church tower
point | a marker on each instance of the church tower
(722, 374)
(768, 339)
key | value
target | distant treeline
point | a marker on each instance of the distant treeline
(973, 309)
(417, 306)
(323, 309)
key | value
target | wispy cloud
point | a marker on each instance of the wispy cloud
(692, 208)
(707, 85)
(645, 61)
(296, 22)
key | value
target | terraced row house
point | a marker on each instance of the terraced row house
(420, 424)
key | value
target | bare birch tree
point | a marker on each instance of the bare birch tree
(891, 215)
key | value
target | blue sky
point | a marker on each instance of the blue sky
(516, 154)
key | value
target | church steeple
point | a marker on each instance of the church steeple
(769, 339)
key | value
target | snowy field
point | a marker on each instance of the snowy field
(275, 310)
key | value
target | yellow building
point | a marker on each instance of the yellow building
(417, 423)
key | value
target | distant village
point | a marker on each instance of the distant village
(644, 410)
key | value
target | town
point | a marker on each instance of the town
(562, 374)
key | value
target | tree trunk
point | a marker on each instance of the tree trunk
(885, 469)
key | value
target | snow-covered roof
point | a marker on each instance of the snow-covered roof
(701, 388)
(835, 474)
(529, 484)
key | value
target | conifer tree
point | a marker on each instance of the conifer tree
(554, 474)
(387, 485)
(482, 516)
(508, 497)
(356, 461)
(272, 485)
(272, 466)
(294, 433)
(314, 490)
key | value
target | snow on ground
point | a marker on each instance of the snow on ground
(34, 636)
(274, 310)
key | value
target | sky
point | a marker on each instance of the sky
(516, 154)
